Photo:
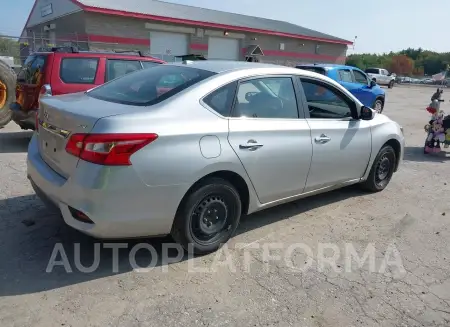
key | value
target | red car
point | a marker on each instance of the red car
(67, 70)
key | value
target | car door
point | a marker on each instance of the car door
(270, 138)
(76, 74)
(346, 79)
(341, 142)
(386, 77)
(362, 89)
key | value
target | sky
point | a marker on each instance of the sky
(379, 25)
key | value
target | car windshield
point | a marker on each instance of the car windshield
(149, 86)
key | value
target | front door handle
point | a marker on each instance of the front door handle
(250, 145)
(322, 139)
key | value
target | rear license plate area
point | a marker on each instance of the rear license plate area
(51, 144)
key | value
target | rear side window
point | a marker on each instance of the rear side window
(33, 67)
(345, 76)
(149, 64)
(117, 68)
(372, 71)
(221, 100)
(149, 86)
(318, 70)
(78, 70)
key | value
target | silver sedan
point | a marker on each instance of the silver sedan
(186, 149)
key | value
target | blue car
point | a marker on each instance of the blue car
(353, 79)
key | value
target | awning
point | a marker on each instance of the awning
(254, 50)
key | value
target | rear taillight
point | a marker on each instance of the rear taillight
(36, 121)
(46, 89)
(108, 149)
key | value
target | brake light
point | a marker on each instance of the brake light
(108, 149)
(36, 121)
(46, 89)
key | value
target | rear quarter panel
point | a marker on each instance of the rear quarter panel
(176, 158)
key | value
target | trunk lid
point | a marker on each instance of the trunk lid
(30, 80)
(62, 116)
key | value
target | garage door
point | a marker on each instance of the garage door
(166, 46)
(223, 48)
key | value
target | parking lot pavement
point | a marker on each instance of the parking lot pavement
(404, 229)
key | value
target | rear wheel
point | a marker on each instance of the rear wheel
(382, 170)
(391, 84)
(7, 93)
(207, 217)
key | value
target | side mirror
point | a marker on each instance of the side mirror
(367, 113)
(372, 83)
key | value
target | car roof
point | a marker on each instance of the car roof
(81, 54)
(220, 66)
(248, 68)
(328, 66)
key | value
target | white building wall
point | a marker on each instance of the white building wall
(47, 10)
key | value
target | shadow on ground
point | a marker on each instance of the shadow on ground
(15, 142)
(29, 232)
(416, 154)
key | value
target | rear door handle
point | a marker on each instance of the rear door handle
(251, 145)
(322, 139)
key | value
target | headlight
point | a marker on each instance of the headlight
(401, 128)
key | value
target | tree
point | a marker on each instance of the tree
(401, 65)
(421, 61)
(8, 47)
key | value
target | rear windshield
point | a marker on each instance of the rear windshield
(32, 69)
(372, 71)
(149, 86)
(318, 70)
(149, 64)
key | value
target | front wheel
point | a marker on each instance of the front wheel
(391, 84)
(378, 105)
(382, 170)
(207, 217)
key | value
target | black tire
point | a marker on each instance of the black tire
(8, 83)
(391, 84)
(194, 227)
(380, 103)
(379, 178)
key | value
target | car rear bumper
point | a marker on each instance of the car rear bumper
(115, 199)
(25, 119)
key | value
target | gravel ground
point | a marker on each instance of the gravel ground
(405, 227)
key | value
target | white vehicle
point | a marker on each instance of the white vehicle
(381, 76)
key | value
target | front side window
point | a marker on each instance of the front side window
(345, 76)
(78, 70)
(271, 97)
(360, 77)
(117, 68)
(324, 101)
(149, 86)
